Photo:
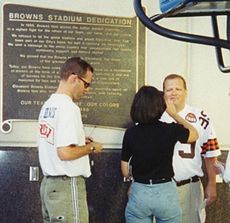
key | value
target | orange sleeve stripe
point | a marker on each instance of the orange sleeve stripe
(211, 145)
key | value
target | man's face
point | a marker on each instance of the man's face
(82, 87)
(174, 91)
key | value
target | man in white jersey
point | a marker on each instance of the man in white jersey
(63, 148)
(187, 159)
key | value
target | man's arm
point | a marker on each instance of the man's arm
(73, 152)
(210, 190)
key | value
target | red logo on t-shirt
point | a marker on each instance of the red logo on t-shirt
(190, 117)
(46, 132)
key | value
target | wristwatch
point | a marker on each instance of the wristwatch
(93, 148)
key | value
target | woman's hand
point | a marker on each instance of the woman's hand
(170, 107)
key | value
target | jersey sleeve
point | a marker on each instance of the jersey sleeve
(209, 142)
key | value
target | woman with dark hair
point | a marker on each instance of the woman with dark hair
(148, 148)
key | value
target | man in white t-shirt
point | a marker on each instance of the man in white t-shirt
(187, 159)
(63, 148)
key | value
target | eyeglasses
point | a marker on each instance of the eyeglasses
(86, 84)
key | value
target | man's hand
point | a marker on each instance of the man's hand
(88, 140)
(210, 193)
(98, 147)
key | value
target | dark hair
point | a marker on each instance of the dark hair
(148, 105)
(74, 65)
(174, 76)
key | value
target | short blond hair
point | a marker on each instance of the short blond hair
(174, 76)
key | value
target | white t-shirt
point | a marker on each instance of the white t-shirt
(60, 124)
(187, 158)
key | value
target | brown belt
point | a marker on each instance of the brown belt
(187, 181)
(64, 177)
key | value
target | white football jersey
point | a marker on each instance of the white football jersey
(187, 158)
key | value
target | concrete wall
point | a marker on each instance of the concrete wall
(196, 62)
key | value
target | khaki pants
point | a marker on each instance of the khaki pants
(191, 198)
(64, 200)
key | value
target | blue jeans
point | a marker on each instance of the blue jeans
(149, 200)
